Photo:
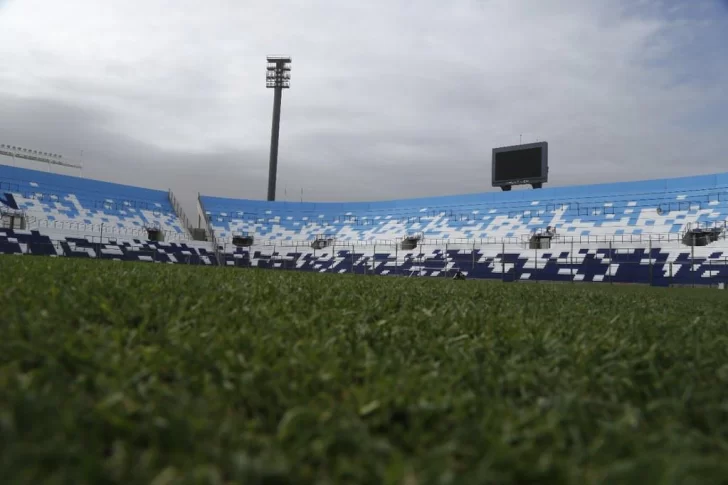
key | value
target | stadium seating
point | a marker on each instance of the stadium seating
(638, 265)
(579, 213)
(35, 243)
(622, 233)
(54, 202)
(656, 266)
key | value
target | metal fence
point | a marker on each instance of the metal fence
(103, 230)
(99, 250)
(521, 239)
(654, 263)
(660, 262)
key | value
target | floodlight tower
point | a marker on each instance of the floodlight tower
(278, 77)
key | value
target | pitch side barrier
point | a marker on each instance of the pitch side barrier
(657, 263)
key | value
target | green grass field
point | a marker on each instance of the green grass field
(140, 373)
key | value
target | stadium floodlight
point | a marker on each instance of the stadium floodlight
(36, 156)
(278, 77)
(278, 73)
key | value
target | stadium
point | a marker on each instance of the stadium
(537, 330)
(658, 232)
(326, 390)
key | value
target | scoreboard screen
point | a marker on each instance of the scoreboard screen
(520, 164)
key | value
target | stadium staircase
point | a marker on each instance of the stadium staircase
(179, 211)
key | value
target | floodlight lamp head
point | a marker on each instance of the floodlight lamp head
(278, 72)
(279, 59)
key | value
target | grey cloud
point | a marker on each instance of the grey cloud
(388, 99)
(111, 156)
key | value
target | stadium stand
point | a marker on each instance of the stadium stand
(62, 204)
(33, 242)
(60, 215)
(619, 232)
(661, 232)
(631, 208)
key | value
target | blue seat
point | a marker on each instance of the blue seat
(63, 202)
(635, 208)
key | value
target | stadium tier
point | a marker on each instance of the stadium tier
(620, 232)
(660, 232)
(656, 266)
(656, 207)
(34, 242)
(63, 204)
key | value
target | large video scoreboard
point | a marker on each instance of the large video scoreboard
(521, 165)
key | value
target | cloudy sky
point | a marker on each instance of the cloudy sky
(389, 98)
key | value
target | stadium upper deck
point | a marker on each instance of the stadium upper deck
(646, 207)
(665, 206)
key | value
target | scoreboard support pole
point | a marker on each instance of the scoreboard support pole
(506, 188)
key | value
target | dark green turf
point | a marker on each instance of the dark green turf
(141, 373)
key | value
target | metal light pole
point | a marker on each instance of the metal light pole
(278, 77)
